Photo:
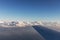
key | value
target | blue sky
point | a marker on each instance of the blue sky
(29, 10)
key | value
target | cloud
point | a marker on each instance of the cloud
(51, 25)
(8, 24)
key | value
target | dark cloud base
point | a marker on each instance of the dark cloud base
(36, 32)
(19, 33)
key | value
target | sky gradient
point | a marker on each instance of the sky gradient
(29, 10)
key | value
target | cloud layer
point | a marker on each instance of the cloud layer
(23, 23)
(51, 25)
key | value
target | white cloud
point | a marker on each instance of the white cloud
(52, 25)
